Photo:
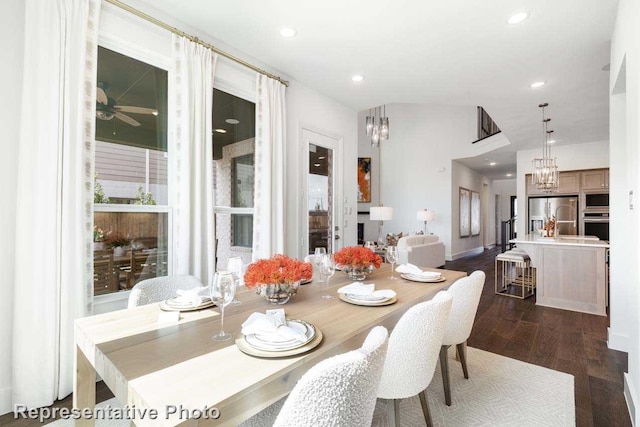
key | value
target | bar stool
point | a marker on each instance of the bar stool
(515, 269)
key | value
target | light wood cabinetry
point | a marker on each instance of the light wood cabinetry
(569, 184)
(596, 179)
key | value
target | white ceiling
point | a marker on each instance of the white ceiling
(435, 52)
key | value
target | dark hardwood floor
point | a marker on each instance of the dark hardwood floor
(566, 341)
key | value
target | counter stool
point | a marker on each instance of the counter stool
(515, 269)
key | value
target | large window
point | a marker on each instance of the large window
(234, 175)
(131, 213)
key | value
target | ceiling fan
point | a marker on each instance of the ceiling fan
(107, 109)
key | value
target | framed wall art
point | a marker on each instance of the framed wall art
(475, 213)
(465, 212)
(364, 179)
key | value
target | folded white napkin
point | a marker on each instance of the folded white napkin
(415, 271)
(195, 296)
(357, 288)
(265, 325)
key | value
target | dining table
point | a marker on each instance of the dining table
(174, 370)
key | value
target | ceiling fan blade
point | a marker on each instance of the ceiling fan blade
(137, 110)
(101, 97)
(126, 119)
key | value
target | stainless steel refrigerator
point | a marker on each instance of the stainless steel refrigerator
(564, 208)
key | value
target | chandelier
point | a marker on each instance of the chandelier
(545, 170)
(377, 125)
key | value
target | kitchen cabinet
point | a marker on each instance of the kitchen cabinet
(596, 179)
(569, 184)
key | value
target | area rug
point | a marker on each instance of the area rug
(500, 391)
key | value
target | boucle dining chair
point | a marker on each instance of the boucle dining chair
(466, 294)
(160, 288)
(339, 391)
(413, 351)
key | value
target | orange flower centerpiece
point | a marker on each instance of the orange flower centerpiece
(357, 261)
(277, 278)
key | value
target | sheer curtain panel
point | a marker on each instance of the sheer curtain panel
(54, 283)
(194, 235)
(268, 222)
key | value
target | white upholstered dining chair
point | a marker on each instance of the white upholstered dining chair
(466, 294)
(339, 391)
(160, 288)
(413, 351)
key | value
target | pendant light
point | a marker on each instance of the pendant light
(545, 174)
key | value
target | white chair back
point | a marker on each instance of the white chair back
(414, 346)
(466, 294)
(160, 288)
(339, 391)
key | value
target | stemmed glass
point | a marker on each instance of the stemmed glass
(223, 289)
(328, 270)
(235, 266)
(392, 257)
(317, 261)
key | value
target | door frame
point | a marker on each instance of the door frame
(338, 185)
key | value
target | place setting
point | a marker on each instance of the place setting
(359, 293)
(415, 274)
(272, 335)
(188, 300)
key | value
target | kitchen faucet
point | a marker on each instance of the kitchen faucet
(556, 232)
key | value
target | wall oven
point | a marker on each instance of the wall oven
(596, 224)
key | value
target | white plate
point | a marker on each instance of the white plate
(380, 295)
(276, 343)
(423, 279)
(177, 303)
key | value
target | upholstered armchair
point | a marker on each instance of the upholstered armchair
(423, 250)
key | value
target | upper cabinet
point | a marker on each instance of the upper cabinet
(597, 179)
(569, 184)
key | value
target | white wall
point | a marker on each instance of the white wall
(11, 46)
(624, 177)
(467, 178)
(589, 155)
(306, 107)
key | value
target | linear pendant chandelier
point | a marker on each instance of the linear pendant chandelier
(545, 170)
(377, 125)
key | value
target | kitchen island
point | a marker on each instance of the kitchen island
(571, 272)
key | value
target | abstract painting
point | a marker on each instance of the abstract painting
(364, 179)
(465, 212)
(475, 213)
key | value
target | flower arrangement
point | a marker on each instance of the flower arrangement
(279, 269)
(119, 242)
(357, 257)
(99, 234)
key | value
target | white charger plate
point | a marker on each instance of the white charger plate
(413, 278)
(274, 342)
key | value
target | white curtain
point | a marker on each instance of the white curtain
(54, 283)
(268, 220)
(194, 234)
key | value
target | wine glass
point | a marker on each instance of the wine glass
(328, 269)
(223, 289)
(235, 266)
(317, 261)
(392, 257)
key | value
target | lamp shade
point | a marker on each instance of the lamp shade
(381, 213)
(425, 215)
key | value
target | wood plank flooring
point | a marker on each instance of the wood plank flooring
(566, 341)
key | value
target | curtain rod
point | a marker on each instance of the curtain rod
(174, 30)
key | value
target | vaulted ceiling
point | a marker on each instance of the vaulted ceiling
(458, 52)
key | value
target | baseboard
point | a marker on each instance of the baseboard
(630, 397)
(617, 341)
(464, 254)
(490, 246)
(5, 400)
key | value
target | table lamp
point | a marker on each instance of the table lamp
(381, 213)
(425, 215)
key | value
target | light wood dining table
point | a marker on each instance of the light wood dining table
(163, 366)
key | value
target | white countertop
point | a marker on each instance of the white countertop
(562, 240)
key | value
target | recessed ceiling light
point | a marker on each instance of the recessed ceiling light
(606, 67)
(316, 165)
(220, 130)
(492, 164)
(288, 32)
(551, 141)
(518, 17)
(537, 84)
(509, 175)
(154, 112)
(357, 78)
(232, 121)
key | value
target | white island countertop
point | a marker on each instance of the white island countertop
(562, 240)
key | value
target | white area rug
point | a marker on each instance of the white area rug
(500, 392)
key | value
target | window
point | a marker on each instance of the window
(234, 175)
(131, 213)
